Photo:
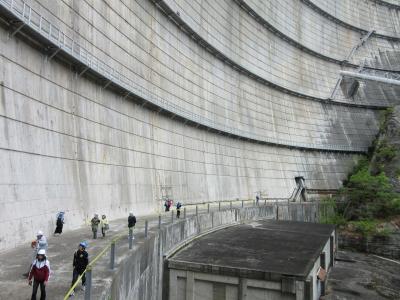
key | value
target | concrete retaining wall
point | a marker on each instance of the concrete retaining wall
(388, 246)
(139, 276)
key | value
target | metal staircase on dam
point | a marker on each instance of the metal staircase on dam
(348, 58)
(300, 192)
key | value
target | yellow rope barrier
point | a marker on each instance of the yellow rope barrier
(92, 263)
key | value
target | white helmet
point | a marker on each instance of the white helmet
(41, 252)
(39, 232)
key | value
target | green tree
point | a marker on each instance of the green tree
(369, 196)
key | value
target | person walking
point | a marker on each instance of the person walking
(79, 263)
(166, 204)
(257, 199)
(40, 273)
(104, 225)
(59, 223)
(95, 225)
(178, 210)
(39, 244)
(131, 221)
(170, 202)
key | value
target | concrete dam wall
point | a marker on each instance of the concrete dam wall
(105, 104)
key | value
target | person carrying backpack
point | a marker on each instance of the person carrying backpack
(59, 223)
(170, 202)
(79, 263)
(166, 204)
(178, 210)
(40, 273)
(104, 225)
(95, 225)
(131, 221)
(39, 244)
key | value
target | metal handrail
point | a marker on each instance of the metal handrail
(63, 42)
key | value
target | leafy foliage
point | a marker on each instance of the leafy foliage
(368, 196)
(369, 228)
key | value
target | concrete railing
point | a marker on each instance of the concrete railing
(138, 274)
(209, 208)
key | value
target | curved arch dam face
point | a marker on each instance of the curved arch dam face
(109, 106)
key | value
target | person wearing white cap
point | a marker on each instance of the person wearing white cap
(39, 244)
(40, 273)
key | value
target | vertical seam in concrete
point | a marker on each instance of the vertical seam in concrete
(189, 285)
(242, 289)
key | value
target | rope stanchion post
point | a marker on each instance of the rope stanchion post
(208, 208)
(146, 229)
(219, 206)
(159, 222)
(184, 212)
(242, 203)
(197, 210)
(130, 238)
(112, 256)
(90, 266)
(88, 284)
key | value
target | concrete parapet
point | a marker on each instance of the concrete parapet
(138, 276)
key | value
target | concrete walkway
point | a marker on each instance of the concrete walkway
(60, 253)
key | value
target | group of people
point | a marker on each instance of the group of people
(168, 203)
(103, 222)
(39, 270)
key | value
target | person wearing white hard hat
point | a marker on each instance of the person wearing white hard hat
(40, 273)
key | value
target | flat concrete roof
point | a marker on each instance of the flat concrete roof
(264, 249)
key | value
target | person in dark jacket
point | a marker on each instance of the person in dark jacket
(166, 204)
(40, 273)
(178, 210)
(131, 221)
(95, 225)
(59, 223)
(80, 262)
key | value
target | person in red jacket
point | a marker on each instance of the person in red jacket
(40, 272)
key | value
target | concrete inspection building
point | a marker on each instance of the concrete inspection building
(266, 259)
